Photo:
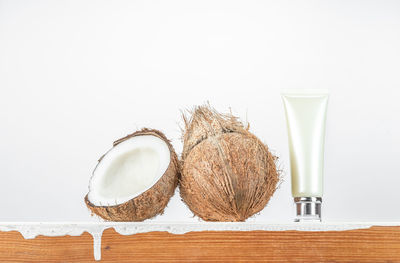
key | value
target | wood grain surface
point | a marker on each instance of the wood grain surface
(377, 244)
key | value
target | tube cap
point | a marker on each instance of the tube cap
(308, 209)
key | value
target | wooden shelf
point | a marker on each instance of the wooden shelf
(370, 244)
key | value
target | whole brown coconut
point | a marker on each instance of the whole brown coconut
(228, 174)
(149, 203)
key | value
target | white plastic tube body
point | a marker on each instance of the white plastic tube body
(306, 118)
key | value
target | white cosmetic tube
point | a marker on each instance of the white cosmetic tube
(306, 116)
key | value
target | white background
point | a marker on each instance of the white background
(76, 75)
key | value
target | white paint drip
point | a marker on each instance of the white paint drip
(32, 230)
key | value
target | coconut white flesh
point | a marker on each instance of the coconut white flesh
(128, 170)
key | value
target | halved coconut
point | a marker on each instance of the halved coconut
(135, 179)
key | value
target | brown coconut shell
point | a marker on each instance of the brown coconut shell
(228, 174)
(150, 203)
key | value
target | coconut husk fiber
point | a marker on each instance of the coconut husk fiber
(228, 174)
